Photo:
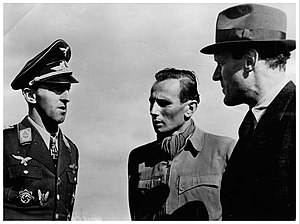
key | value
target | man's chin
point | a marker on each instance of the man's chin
(60, 120)
(229, 102)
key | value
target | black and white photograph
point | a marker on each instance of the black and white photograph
(150, 111)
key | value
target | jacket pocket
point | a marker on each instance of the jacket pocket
(72, 177)
(187, 183)
(17, 171)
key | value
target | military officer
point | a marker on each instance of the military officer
(40, 162)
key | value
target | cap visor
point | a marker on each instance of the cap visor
(65, 78)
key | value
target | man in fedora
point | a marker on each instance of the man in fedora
(251, 52)
(40, 162)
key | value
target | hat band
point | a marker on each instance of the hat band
(248, 34)
(46, 76)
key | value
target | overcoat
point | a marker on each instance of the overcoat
(34, 189)
(260, 180)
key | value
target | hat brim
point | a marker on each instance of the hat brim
(274, 46)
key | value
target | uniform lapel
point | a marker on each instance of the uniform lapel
(64, 157)
(37, 149)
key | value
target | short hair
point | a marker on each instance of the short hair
(272, 58)
(187, 79)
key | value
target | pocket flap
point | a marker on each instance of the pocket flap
(25, 171)
(148, 184)
(188, 182)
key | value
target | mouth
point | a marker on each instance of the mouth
(63, 108)
(223, 88)
(158, 123)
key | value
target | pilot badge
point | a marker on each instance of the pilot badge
(43, 197)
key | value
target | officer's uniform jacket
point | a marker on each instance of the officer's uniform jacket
(34, 189)
(260, 180)
(158, 188)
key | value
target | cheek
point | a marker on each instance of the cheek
(173, 115)
(46, 104)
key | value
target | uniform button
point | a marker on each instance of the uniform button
(25, 171)
(57, 196)
(75, 179)
(56, 216)
(58, 180)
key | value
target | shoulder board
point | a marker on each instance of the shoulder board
(8, 127)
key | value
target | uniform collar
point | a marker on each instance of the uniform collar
(43, 132)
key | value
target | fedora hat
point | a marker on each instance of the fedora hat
(251, 25)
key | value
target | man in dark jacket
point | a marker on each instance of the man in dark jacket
(40, 162)
(178, 176)
(251, 52)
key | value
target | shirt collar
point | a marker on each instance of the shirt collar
(43, 132)
(259, 109)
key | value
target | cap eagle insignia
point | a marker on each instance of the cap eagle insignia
(64, 50)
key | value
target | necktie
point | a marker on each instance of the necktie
(53, 147)
(247, 126)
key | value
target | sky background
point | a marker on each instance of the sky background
(116, 50)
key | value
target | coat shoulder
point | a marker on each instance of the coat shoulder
(8, 130)
(72, 144)
(223, 144)
(221, 138)
(142, 150)
(10, 135)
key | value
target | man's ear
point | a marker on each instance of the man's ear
(251, 58)
(29, 95)
(192, 106)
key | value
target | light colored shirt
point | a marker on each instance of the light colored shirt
(45, 135)
(260, 108)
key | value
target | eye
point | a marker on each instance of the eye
(163, 102)
(57, 89)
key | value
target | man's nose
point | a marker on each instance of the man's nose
(154, 109)
(65, 96)
(217, 74)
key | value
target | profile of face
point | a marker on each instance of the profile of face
(52, 100)
(230, 73)
(166, 110)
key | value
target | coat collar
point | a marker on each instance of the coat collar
(197, 139)
(39, 150)
(274, 113)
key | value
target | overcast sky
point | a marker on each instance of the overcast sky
(116, 50)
